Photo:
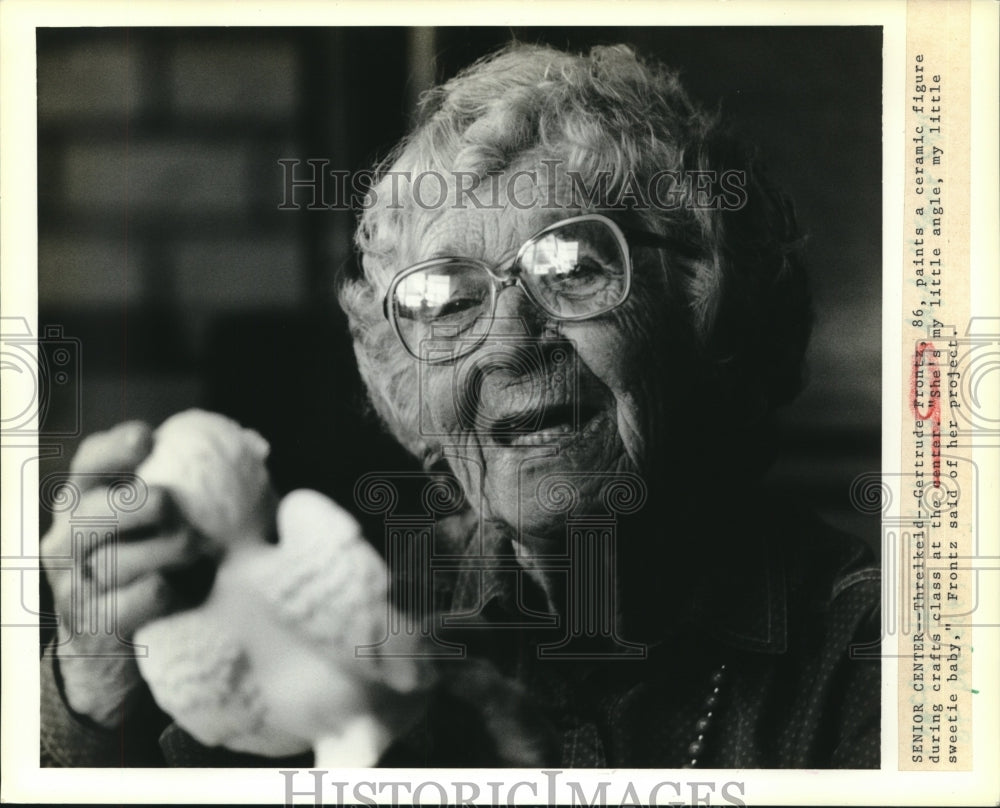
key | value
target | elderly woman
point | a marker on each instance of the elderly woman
(572, 285)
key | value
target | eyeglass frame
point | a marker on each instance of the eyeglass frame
(641, 238)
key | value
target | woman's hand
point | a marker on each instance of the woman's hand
(113, 587)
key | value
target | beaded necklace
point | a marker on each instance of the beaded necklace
(697, 747)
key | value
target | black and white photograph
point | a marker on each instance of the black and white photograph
(530, 305)
(479, 398)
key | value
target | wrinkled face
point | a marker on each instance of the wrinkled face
(541, 402)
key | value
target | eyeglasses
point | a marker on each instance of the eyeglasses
(578, 268)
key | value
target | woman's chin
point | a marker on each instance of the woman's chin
(535, 486)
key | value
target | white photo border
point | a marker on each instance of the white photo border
(25, 781)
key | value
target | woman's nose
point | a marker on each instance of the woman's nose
(517, 315)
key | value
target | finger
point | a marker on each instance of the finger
(142, 600)
(120, 449)
(118, 565)
(157, 515)
(88, 614)
(156, 510)
(54, 546)
(69, 542)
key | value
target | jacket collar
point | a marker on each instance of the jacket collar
(737, 595)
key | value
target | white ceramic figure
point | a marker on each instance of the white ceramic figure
(269, 662)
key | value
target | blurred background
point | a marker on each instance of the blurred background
(163, 250)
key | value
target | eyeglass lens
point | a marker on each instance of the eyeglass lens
(576, 270)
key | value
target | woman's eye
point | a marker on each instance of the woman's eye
(583, 270)
(457, 305)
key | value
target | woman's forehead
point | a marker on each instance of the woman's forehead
(488, 235)
(483, 234)
(492, 220)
